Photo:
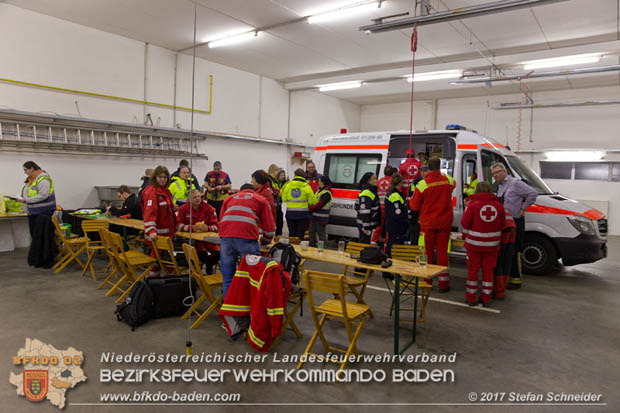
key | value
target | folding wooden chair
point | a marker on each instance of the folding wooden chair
(129, 263)
(207, 285)
(90, 227)
(71, 248)
(351, 314)
(114, 270)
(169, 263)
(407, 287)
(354, 282)
(296, 297)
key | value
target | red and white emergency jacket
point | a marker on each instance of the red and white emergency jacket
(244, 214)
(483, 221)
(259, 290)
(157, 211)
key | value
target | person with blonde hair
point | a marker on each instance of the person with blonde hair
(157, 210)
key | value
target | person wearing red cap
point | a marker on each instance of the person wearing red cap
(409, 170)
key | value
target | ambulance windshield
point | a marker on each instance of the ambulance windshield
(528, 175)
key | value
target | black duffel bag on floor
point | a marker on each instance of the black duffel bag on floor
(169, 294)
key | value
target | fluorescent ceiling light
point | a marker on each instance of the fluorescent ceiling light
(344, 12)
(239, 38)
(563, 61)
(339, 86)
(565, 156)
(444, 74)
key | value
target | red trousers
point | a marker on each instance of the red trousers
(376, 236)
(476, 260)
(438, 239)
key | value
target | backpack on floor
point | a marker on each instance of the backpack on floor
(137, 307)
(286, 255)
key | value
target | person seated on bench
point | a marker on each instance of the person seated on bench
(203, 219)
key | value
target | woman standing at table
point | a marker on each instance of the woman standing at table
(396, 218)
(368, 207)
(262, 186)
(157, 204)
(38, 194)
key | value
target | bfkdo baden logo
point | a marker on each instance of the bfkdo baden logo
(47, 373)
(35, 384)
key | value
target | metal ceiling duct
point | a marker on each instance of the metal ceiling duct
(456, 14)
(534, 75)
(506, 106)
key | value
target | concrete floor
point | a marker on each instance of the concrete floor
(559, 333)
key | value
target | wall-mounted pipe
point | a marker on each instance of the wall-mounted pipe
(507, 106)
(534, 75)
(122, 99)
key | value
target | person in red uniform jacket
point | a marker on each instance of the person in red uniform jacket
(482, 223)
(504, 258)
(262, 185)
(312, 176)
(203, 219)
(433, 201)
(244, 214)
(157, 210)
(260, 291)
(409, 170)
(383, 187)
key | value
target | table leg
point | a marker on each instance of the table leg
(396, 313)
(415, 308)
(125, 245)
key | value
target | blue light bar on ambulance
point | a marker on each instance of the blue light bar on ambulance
(458, 127)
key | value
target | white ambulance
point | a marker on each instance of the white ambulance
(556, 226)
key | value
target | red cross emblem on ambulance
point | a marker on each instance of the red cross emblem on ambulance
(488, 213)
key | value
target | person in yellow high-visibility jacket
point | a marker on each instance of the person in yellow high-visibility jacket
(298, 196)
(181, 186)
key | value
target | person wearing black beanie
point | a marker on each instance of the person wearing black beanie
(368, 207)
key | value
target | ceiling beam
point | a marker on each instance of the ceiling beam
(456, 14)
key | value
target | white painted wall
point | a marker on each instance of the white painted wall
(59, 53)
(591, 127)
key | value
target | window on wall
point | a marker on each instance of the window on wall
(556, 170)
(592, 171)
(581, 171)
(615, 172)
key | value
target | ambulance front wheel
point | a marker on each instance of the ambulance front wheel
(539, 255)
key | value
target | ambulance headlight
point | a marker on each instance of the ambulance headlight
(582, 224)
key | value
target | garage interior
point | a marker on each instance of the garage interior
(261, 82)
